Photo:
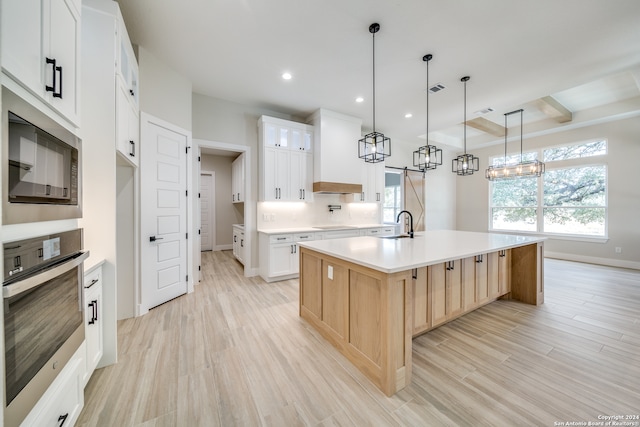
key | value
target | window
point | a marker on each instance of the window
(392, 196)
(569, 199)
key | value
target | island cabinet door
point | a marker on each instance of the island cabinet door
(499, 272)
(482, 287)
(504, 271)
(437, 279)
(470, 293)
(455, 291)
(493, 275)
(421, 302)
(335, 298)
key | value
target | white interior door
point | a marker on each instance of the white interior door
(163, 214)
(207, 227)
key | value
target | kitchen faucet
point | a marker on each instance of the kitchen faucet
(410, 221)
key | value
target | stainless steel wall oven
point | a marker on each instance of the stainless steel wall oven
(41, 174)
(43, 315)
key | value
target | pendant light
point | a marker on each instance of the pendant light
(374, 147)
(429, 156)
(517, 170)
(465, 164)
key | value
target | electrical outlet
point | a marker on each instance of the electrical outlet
(330, 272)
(273, 217)
(618, 250)
(265, 217)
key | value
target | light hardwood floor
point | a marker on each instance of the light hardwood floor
(235, 353)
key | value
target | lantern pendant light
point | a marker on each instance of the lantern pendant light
(374, 147)
(465, 164)
(429, 156)
(517, 170)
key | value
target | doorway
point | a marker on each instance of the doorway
(223, 195)
(207, 210)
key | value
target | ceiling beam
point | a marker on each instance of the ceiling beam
(553, 109)
(487, 126)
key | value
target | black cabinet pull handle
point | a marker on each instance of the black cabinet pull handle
(62, 419)
(96, 306)
(132, 148)
(59, 93)
(131, 92)
(52, 88)
(92, 306)
(47, 190)
(242, 243)
(93, 282)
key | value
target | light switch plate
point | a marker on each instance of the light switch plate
(330, 272)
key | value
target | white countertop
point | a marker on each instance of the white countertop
(426, 248)
(318, 228)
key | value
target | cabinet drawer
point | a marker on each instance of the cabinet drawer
(92, 279)
(304, 237)
(280, 238)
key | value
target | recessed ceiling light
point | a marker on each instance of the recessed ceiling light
(408, 116)
(359, 99)
(286, 76)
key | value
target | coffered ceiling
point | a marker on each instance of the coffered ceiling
(567, 62)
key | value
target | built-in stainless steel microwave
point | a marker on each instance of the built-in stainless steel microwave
(41, 170)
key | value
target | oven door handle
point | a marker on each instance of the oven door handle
(40, 278)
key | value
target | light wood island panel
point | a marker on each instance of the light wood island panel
(371, 316)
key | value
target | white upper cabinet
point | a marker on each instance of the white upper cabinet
(41, 51)
(301, 139)
(237, 180)
(127, 65)
(372, 183)
(127, 126)
(286, 161)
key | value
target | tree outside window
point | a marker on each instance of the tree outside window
(570, 198)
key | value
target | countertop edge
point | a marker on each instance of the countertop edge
(433, 261)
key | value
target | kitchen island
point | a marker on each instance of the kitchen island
(370, 296)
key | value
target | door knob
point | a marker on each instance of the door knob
(154, 238)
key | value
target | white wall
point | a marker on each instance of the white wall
(164, 93)
(227, 213)
(623, 196)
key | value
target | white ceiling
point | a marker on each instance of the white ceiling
(585, 53)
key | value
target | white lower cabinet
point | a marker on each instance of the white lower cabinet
(93, 330)
(279, 257)
(379, 231)
(238, 243)
(61, 404)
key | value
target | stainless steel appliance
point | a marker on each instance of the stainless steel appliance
(43, 315)
(41, 176)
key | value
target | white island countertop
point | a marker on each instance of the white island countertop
(426, 248)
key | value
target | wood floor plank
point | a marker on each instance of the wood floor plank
(236, 353)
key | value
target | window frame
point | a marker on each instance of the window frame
(402, 190)
(596, 160)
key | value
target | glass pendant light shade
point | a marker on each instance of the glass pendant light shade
(516, 170)
(374, 147)
(465, 164)
(429, 156)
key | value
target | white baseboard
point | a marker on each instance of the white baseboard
(223, 247)
(593, 260)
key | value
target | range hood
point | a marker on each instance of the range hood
(336, 166)
(336, 187)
